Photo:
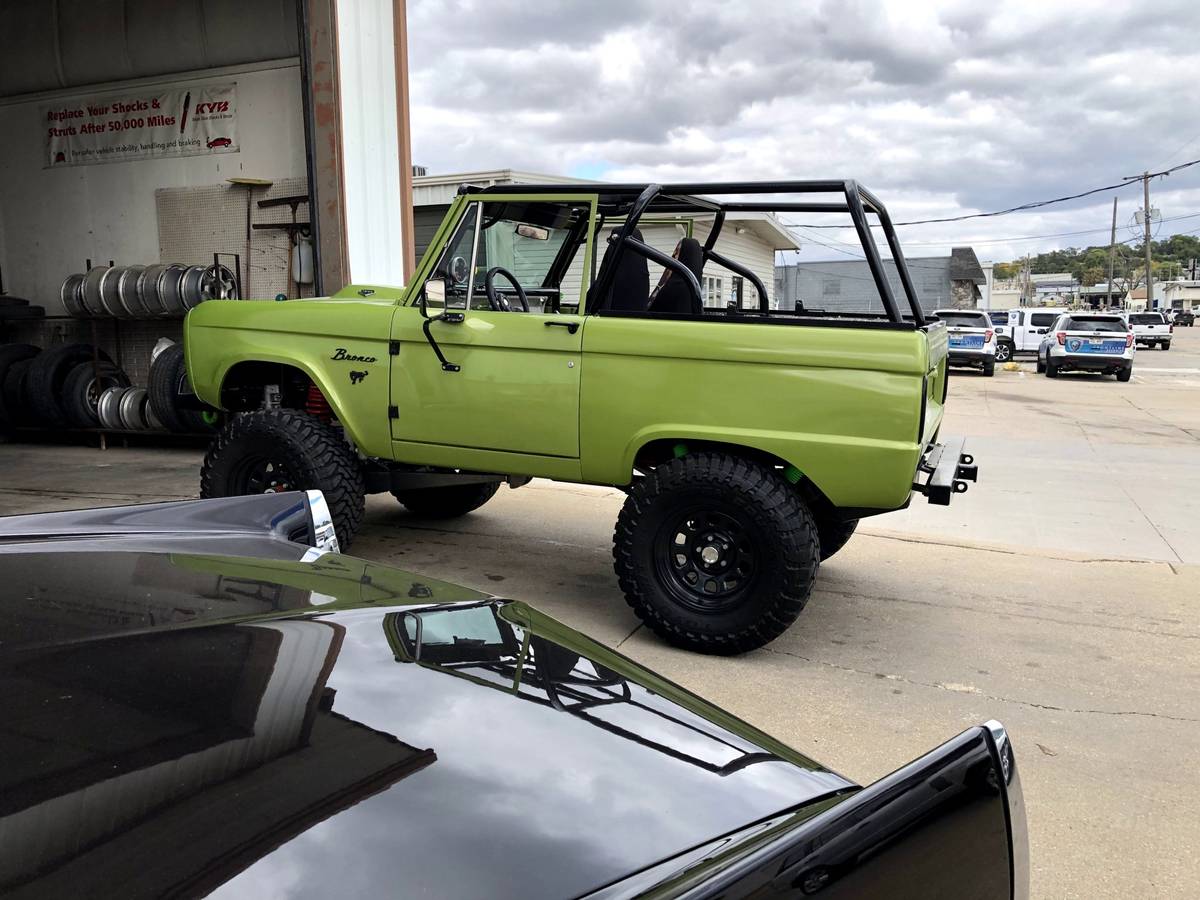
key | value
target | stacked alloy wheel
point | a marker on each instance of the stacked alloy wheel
(141, 292)
(125, 408)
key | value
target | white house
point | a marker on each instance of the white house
(751, 239)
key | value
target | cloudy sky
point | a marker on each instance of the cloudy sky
(941, 108)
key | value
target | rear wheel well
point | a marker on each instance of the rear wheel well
(663, 450)
(242, 389)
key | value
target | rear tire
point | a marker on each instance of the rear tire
(715, 553)
(1051, 368)
(1004, 352)
(275, 450)
(989, 368)
(447, 502)
(1125, 374)
(833, 534)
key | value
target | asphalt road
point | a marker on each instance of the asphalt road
(1061, 595)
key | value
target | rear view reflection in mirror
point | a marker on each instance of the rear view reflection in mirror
(533, 232)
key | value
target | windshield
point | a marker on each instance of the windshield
(1084, 323)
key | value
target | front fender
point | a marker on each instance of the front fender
(344, 353)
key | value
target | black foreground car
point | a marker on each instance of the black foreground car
(200, 698)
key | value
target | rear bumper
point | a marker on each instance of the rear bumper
(959, 357)
(945, 469)
(1091, 362)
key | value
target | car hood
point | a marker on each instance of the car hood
(182, 723)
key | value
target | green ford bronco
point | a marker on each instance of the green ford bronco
(534, 341)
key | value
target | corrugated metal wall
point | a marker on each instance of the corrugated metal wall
(48, 45)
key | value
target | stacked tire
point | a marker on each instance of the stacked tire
(171, 400)
(14, 363)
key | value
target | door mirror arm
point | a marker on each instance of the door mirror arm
(438, 287)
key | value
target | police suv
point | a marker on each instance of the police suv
(972, 338)
(1087, 342)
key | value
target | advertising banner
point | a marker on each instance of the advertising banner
(152, 124)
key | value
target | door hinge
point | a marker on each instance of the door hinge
(393, 348)
(393, 412)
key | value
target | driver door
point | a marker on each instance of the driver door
(516, 388)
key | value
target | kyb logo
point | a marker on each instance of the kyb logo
(214, 106)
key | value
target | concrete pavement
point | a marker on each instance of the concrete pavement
(1061, 595)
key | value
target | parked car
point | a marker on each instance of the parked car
(1023, 331)
(196, 703)
(750, 441)
(972, 338)
(1087, 342)
(1150, 329)
(1183, 317)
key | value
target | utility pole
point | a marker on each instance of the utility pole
(1145, 178)
(1112, 256)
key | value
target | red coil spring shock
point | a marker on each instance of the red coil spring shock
(316, 405)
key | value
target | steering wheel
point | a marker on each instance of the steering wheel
(498, 303)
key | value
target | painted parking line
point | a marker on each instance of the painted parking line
(1165, 371)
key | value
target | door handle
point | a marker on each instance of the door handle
(571, 327)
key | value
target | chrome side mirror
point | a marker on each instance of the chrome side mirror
(434, 291)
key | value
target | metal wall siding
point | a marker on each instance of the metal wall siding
(370, 142)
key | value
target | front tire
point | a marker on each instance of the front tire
(715, 553)
(447, 502)
(276, 450)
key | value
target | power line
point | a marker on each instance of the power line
(963, 242)
(1036, 204)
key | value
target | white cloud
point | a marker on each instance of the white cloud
(941, 108)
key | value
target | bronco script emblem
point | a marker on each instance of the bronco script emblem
(340, 353)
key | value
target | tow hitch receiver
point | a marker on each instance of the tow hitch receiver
(947, 469)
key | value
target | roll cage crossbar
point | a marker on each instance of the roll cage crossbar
(632, 201)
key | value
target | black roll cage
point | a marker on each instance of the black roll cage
(632, 201)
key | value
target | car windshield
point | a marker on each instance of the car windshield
(1145, 319)
(1085, 323)
(963, 319)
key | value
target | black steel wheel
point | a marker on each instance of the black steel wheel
(715, 553)
(276, 450)
(448, 502)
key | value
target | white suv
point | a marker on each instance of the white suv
(1087, 342)
(1151, 329)
(972, 338)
